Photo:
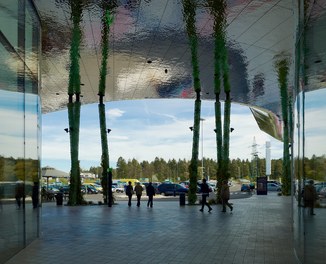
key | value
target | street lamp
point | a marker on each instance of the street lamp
(202, 146)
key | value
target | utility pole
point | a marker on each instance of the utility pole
(254, 159)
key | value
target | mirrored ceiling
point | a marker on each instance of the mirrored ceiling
(150, 55)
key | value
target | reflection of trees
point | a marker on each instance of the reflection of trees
(315, 168)
(19, 169)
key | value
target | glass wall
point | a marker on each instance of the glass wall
(20, 126)
(309, 148)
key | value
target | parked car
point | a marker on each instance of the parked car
(171, 189)
(273, 187)
(319, 186)
(185, 184)
(321, 193)
(154, 184)
(97, 187)
(276, 182)
(64, 189)
(89, 189)
(245, 187)
(211, 188)
(119, 188)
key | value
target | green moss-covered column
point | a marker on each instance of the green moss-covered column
(75, 195)
(226, 136)
(193, 169)
(105, 152)
(282, 66)
(107, 20)
(189, 12)
(221, 73)
(219, 134)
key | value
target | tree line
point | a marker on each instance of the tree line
(12, 169)
(178, 170)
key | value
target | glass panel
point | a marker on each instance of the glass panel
(20, 126)
(31, 43)
(9, 64)
(32, 185)
(315, 169)
(8, 14)
(11, 180)
(298, 210)
(31, 164)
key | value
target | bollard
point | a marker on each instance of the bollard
(182, 198)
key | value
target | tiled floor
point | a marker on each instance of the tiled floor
(258, 231)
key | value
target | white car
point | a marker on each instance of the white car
(119, 188)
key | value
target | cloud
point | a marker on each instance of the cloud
(115, 113)
(12, 132)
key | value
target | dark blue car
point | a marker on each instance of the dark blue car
(245, 187)
(171, 189)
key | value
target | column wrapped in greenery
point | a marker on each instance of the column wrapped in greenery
(74, 71)
(226, 136)
(282, 67)
(221, 72)
(218, 133)
(107, 20)
(189, 12)
(105, 151)
(75, 196)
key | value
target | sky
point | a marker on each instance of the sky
(146, 129)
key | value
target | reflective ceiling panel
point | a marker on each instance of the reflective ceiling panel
(149, 51)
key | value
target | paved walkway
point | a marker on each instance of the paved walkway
(258, 231)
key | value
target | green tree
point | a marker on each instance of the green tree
(134, 169)
(147, 170)
(122, 168)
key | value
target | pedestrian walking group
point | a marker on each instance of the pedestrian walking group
(225, 196)
(150, 192)
(204, 189)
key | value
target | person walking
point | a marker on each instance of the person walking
(204, 194)
(310, 196)
(139, 191)
(225, 196)
(35, 195)
(19, 194)
(150, 192)
(129, 192)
